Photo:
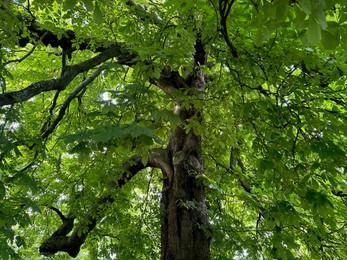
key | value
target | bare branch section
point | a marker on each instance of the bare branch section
(67, 225)
(23, 58)
(168, 81)
(339, 193)
(59, 241)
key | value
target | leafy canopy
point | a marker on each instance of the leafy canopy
(273, 130)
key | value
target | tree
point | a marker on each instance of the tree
(180, 129)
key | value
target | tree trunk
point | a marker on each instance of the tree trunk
(184, 220)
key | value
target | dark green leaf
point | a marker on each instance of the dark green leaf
(329, 41)
(89, 5)
(314, 31)
(69, 4)
(98, 14)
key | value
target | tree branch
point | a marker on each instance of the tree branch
(67, 225)
(21, 59)
(26, 55)
(339, 193)
(224, 11)
(169, 81)
(58, 241)
(68, 100)
(70, 72)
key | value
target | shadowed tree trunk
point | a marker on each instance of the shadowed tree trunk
(184, 213)
(184, 223)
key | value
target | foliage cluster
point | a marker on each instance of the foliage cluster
(273, 129)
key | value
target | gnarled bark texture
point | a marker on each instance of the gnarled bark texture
(184, 220)
(184, 214)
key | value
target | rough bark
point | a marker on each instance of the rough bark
(184, 220)
(184, 213)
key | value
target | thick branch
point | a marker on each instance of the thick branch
(170, 81)
(60, 214)
(158, 158)
(67, 225)
(65, 41)
(68, 75)
(200, 55)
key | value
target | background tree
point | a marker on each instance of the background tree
(180, 129)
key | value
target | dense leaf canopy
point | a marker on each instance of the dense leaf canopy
(91, 94)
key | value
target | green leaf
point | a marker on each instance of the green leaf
(144, 159)
(269, 9)
(69, 4)
(281, 10)
(329, 41)
(306, 6)
(183, 4)
(300, 19)
(26, 180)
(166, 115)
(335, 74)
(154, 72)
(98, 14)
(89, 5)
(107, 133)
(314, 31)
(258, 39)
(320, 16)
